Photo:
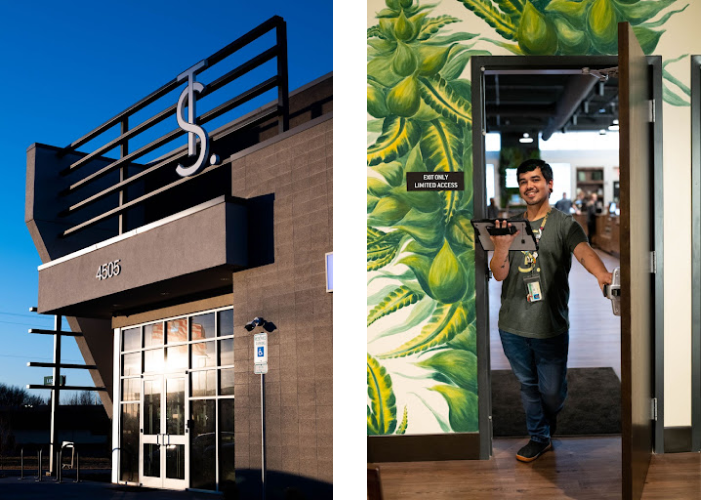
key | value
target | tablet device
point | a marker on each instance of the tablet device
(525, 241)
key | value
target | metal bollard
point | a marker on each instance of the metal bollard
(21, 464)
(39, 466)
(77, 467)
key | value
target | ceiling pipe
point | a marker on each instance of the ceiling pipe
(576, 90)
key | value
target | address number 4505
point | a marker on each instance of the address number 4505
(108, 270)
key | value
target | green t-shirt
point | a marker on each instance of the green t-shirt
(548, 317)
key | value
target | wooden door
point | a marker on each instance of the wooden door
(637, 280)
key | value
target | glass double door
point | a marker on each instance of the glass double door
(164, 444)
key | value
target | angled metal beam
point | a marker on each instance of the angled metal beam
(60, 365)
(54, 332)
(67, 387)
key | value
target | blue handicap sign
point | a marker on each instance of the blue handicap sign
(260, 352)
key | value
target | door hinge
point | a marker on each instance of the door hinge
(653, 262)
(653, 409)
(651, 109)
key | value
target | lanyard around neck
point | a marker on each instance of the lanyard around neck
(542, 225)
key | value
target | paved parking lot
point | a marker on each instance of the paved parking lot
(11, 488)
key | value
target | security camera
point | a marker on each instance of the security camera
(256, 322)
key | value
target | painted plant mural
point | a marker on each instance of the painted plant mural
(420, 248)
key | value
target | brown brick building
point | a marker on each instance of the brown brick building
(183, 264)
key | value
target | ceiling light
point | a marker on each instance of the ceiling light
(526, 139)
(615, 122)
(602, 132)
(614, 128)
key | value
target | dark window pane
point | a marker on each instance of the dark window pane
(131, 364)
(175, 461)
(152, 460)
(203, 445)
(177, 330)
(227, 382)
(203, 326)
(129, 443)
(226, 323)
(226, 352)
(132, 339)
(153, 335)
(203, 355)
(226, 440)
(203, 383)
(175, 406)
(152, 406)
(131, 389)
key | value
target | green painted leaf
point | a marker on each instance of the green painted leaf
(458, 365)
(536, 33)
(640, 12)
(376, 31)
(462, 406)
(484, 9)
(374, 234)
(460, 36)
(436, 92)
(405, 422)
(379, 70)
(511, 47)
(419, 313)
(672, 79)
(381, 47)
(441, 149)
(375, 126)
(377, 187)
(602, 26)
(461, 232)
(447, 276)
(382, 401)
(399, 135)
(420, 266)
(647, 38)
(392, 172)
(397, 299)
(371, 203)
(574, 12)
(511, 8)
(447, 321)
(456, 65)
(432, 25)
(432, 58)
(444, 425)
(379, 296)
(673, 99)
(466, 340)
(419, 8)
(376, 105)
(661, 21)
(571, 39)
(372, 423)
(425, 227)
(388, 211)
(382, 251)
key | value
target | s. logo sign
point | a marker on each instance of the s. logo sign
(193, 130)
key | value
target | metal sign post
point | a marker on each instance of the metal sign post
(260, 365)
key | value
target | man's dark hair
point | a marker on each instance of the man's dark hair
(531, 165)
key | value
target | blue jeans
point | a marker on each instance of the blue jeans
(541, 367)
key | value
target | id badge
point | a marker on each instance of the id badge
(534, 292)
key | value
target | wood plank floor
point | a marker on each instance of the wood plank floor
(581, 468)
(595, 333)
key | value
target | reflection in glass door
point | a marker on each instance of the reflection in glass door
(163, 443)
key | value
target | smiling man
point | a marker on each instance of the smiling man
(534, 316)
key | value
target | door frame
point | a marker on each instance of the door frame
(480, 64)
(695, 253)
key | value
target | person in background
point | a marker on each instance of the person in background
(492, 209)
(593, 208)
(564, 204)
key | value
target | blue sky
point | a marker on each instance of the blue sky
(67, 67)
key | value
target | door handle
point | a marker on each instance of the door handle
(613, 291)
(157, 436)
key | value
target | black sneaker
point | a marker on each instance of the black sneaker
(532, 450)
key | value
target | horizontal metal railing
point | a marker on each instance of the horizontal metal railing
(281, 111)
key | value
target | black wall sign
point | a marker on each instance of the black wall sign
(435, 181)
